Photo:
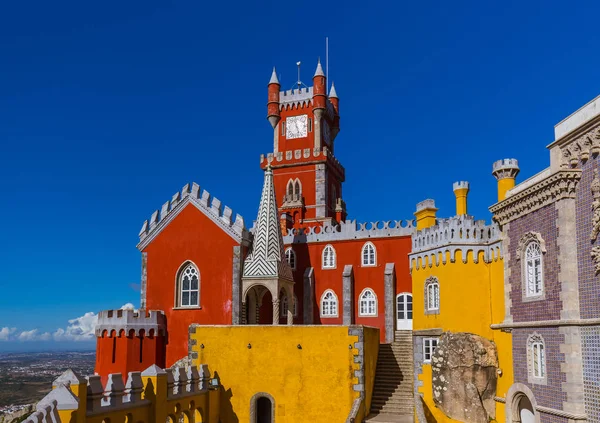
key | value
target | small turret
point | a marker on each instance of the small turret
(425, 214)
(505, 171)
(335, 102)
(461, 189)
(273, 104)
(319, 101)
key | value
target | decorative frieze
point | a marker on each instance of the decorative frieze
(581, 148)
(555, 187)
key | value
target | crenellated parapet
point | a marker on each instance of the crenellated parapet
(291, 157)
(148, 396)
(298, 97)
(152, 322)
(210, 206)
(460, 233)
(350, 229)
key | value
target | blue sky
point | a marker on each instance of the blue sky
(107, 109)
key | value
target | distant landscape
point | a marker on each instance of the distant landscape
(25, 378)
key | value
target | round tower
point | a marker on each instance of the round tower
(461, 189)
(505, 171)
(273, 104)
(129, 341)
(319, 102)
(335, 102)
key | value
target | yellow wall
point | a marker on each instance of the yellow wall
(303, 382)
(471, 299)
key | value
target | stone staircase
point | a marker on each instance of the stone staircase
(393, 390)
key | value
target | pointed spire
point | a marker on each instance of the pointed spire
(267, 258)
(332, 93)
(274, 79)
(319, 71)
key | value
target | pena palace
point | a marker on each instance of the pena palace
(311, 316)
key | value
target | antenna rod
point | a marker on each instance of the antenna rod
(327, 65)
(299, 82)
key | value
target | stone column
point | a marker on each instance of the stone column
(309, 296)
(276, 311)
(143, 281)
(291, 305)
(348, 295)
(236, 287)
(243, 322)
(389, 282)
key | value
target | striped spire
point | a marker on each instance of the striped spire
(266, 258)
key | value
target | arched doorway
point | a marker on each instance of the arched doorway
(259, 306)
(264, 410)
(404, 311)
(526, 413)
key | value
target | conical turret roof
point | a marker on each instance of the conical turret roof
(332, 93)
(267, 258)
(274, 79)
(319, 71)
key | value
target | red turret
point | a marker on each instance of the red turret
(273, 105)
(335, 102)
(319, 88)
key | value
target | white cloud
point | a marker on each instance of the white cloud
(79, 329)
(6, 332)
(30, 335)
(128, 306)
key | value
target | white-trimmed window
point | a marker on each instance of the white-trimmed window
(285, 306)
(432, 295)
(329, 304)
(369, 254)
(533, 270)
(429, 346)
(189, 287)
(536, 359)
(290, 256)
(328, 257)
(367, 303)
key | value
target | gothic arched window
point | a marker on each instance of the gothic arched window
(533, 269)
(329, 304)
(536, 358)
(290, 256)
(188, 286)
(328, 257)
(368, 254)
(367, 303)
(432, 296)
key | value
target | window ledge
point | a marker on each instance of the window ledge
(368, 265)
(530, 298)
(329, 317)
(188, 308)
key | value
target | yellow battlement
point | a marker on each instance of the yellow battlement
(154, 395)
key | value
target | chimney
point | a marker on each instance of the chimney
(505, 171)
(425, 214)
(461, 189)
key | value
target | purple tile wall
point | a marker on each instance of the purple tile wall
(544, 222)
(589, 294)
(549, 395)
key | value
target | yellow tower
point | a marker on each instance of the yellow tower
(461, 189)
(505, 171)
(425, 214)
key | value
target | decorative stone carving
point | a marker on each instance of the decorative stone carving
(526, 239)
(581, 148)
(464, 374)
(558, 186)
(595, 206)
(596, 258)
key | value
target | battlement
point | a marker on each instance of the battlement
(143, 398)
(350, 230)
(292, 156)
(296, 97)
(152, 323)
(460, 233)
(426, 204)
(211, 206)
(505, 168)
(460, 185)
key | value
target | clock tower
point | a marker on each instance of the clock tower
(307, 176)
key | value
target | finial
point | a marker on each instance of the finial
(319, 71)
(332, 93)
(299, 81)
(274, 79)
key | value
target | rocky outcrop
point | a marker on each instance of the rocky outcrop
(464, 370)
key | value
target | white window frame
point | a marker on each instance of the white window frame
(363, 251)
(370, 304)
(429, 346)
(331, 264)
(432, 295)
(188, 268)
(536, 359)
(290, 256)
(284, 306)
(335, 302)
(533, 266)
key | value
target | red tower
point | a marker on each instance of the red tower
(128, 341)
(308, 178)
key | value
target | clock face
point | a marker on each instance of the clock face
(296, 127)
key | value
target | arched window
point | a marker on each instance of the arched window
(432, 296)
(189, 287)
(533, 269)
(285, 306)
(297, 188)
(328, 257)
(367, 303)
(290, 188)
(536, 358)
(290, 256)
(368, 255)
(329, 304)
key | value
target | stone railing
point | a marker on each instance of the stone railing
(149, 396)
